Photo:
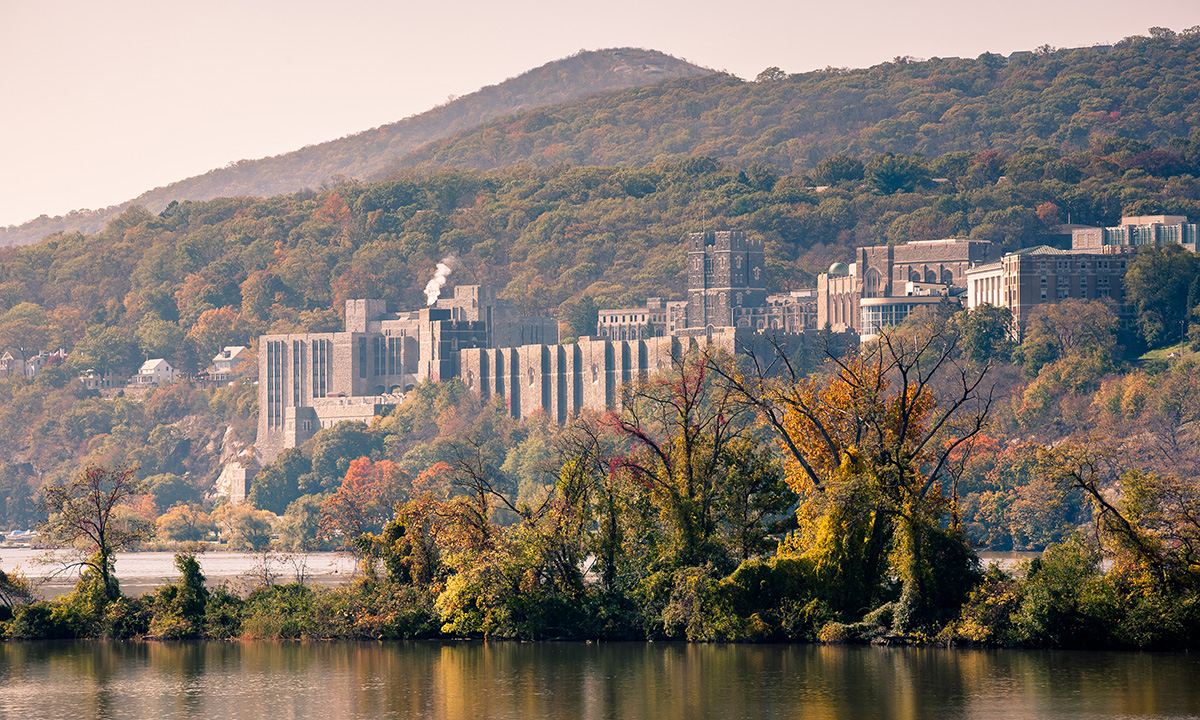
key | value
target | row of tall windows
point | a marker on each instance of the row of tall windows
(275, 371)
(320, 368)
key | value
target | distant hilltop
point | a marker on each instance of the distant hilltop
(629, 107)
(367, 155)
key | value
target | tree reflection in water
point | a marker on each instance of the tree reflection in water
(468, 680)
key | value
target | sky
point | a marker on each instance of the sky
(101, 100)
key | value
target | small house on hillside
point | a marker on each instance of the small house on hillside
(154, 372)
(227, 361)
(93, 380)
(34, 364)
(12, 364)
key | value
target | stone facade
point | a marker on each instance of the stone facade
(887, 282)
(726, 270)
(726, 288)
(308, 381)
(1022, 280)
(562, 380)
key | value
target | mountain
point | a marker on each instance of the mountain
(368, 155)
(1142, 88)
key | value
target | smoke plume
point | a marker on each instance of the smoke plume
(433, 288)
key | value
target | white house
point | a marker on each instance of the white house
(226, 361)
(154, 372)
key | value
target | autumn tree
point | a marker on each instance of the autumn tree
(244, 527)
(1150, 522)
(86, 509)
(682, 429)
(185, 523)
(1070, 328)
(365, 500)
(871, 451)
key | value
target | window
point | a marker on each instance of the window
(297, 371)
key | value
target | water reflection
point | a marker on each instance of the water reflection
(636, 680)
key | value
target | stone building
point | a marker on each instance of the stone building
(1022, 280)
(726, 288)
(725, 272)
(308, 381)
(888, 282)
(562, 380)
(315, 380)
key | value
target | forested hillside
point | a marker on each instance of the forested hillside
(368, 154)
(1142, 88)
(838, 504)
(560, 241)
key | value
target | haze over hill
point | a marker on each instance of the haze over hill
(634, 107)
(368, 154)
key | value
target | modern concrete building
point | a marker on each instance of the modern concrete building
(1138, 230)
(886, 283)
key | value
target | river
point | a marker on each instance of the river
(656, 681)
(140, 572)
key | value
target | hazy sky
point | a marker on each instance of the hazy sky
(101, 100)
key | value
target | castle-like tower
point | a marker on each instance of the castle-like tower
(725, 271)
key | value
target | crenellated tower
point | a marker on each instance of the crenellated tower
(725, 271)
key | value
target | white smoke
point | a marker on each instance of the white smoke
(433, 288)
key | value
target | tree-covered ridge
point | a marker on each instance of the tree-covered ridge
(1141, 88)
(184, 282)
(367, 155)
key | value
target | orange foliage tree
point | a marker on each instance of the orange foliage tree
(365, 501)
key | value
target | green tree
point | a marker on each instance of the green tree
(300, 526)
(682, 430)
(170, 489)
(987, 333)
(1157, 283)
(244, 527)
(277, 485)
(888, 174)
(582, 317)
(836, 168)
(24, 327)
(333, 449)
(107, 349)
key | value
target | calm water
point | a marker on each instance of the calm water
(627, 681)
